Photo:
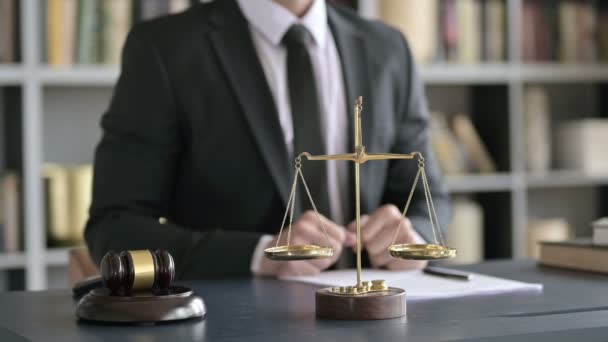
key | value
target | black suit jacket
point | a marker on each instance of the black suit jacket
(192, 135)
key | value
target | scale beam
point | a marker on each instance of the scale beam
(360, 157)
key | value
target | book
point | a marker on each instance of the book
(87, 32)
(476, 151)
(61, 15)
(568, 13)
(10, 201)
(551, 229)
(449, 30)
(580, 145)
(3, 135)
(579, 254)
(80, 185)
(68, 191)
(446, 146)
(469, 45)
(600, 231)
(8, 31)
(43, 31)
(600, 236)
(417, 20)
(116, 19)
(568, 30)
(587, 28)
(57, 202)
(537, 129)
(494, 30)
(602, 32)
(465, 232)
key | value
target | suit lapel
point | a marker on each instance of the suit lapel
(353, 57)
(238, 58)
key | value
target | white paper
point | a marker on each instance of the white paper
(422, 286)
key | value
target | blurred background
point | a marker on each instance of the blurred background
(518, 91)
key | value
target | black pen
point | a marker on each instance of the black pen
(447, 273)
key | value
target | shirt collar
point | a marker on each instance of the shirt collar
(273, 20)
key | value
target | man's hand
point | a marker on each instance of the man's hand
(377, 231)
(306, 231)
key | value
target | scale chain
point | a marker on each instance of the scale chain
(289, 201)
(425, 182)
(435, 225)
(293, 203)
(407, 205)
(314, 207)
(291, 206)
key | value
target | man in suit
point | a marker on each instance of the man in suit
(211, 107)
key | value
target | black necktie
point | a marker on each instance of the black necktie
(306, 114)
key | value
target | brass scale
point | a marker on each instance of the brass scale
(429, 251)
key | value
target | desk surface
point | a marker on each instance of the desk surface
(573, 305)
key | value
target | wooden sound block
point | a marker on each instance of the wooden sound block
(369, 306)
(141, 307)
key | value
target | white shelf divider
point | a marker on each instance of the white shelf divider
(10, 261)
(57, 256)
(564, 178)
(11, 74)
(35, 237)
(563, 73)
(480, 183)
(485, 73)
(104, 76)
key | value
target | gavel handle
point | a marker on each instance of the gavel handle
(86, 285)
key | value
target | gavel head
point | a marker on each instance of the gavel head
(137, 271)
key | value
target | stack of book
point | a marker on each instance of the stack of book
(458, 146)
(94, 31)
(459, 31)
(586, 254)
(567, 31)
(9, 31)
(68, 191)
(67, 198)
(466, 232)
(580, 254)
(600, 232)
(580, 145)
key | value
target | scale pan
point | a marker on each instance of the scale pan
(421, 251)
(298, 252)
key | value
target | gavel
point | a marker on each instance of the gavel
(141, 270)
(135, 287)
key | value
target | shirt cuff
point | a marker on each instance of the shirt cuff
(258, 253)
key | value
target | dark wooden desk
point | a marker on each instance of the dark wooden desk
(572, 307)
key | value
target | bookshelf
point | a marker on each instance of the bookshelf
(60, 101)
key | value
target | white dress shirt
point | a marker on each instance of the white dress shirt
(268, 23)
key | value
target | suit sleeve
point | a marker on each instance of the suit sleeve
(412, 134)
(134, 170)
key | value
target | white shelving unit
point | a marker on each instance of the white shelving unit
(37, 81)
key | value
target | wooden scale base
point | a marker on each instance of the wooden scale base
(367, 306)
(143, 307)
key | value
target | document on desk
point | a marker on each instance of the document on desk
(421, 286)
